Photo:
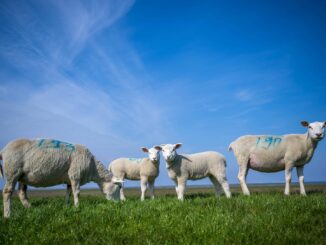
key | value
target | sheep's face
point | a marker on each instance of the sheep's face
(316, 130)
(112, 188)
(153, 153)
(169, 151)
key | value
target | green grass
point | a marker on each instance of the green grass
(263, 218)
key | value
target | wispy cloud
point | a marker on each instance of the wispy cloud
(63, 90)
(254, 96)
(58, 38)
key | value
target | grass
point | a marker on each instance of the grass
(266, 217)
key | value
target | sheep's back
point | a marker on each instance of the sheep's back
(199, 165)
(128, 168)
(43, 162)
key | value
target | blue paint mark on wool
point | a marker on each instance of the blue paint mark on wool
(56, 144)
(267, 142)
(137, 160)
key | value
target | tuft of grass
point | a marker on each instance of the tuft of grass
(264, 218)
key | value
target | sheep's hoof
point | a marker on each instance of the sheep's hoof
(27, 205)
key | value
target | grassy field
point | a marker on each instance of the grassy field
(266, 217)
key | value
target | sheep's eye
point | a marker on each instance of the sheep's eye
(309, 127)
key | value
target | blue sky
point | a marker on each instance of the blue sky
(118, 75)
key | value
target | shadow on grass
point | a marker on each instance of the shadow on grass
(314, 192)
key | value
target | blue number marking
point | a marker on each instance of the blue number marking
(268, 141)
(41, 142)
(258, 140)
(56, 144)
(277, 141)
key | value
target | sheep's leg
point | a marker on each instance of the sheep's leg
(225, 185)
(181, 188)
(68, 193)
(75, 186)
(7, 193)
(242, 175)
(301, 178)
(122, 194)
(217, 185)
(151, 188)
(143, 187)
(288, 176)
(23, 195)
(176, 187)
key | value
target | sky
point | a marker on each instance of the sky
(119, 75)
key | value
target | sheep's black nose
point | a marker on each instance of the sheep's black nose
(318, 135)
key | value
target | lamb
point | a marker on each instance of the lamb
(276, 153)
(145, 169)
(48, 162)
(195, 166)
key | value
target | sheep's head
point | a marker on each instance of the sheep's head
(169, 151)
(111, 189)
(316, 130)
(153, 153)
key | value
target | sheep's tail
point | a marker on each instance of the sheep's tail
(1, 171)
(230, 147)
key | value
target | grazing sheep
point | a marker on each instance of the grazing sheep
(48, 162)
(276, 153)
(144, 169)
(195, 166)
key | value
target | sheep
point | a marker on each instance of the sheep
(277, 153)
(48, 162)
(195, 166)
(144, 169)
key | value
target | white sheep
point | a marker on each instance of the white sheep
(195, 166)
(48, 162)
(276, 153)
(144, 169)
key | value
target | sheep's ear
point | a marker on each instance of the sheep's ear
(157, 147)
(177, 145)
(144, 149)
(304, 123)
(324, 123)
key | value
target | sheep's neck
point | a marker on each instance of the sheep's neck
(311, 146)
(310, 142)
(156, 163)
(102, 174)
(169, 164)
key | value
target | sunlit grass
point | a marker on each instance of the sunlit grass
(263, 218)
